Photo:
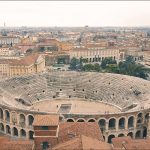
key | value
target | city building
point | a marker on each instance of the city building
(29, 64)
(8, 51)
(96, 55)
(9, 40)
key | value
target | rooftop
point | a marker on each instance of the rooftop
(46, 120)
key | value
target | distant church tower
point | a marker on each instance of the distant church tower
(4, 33)
(4, 24)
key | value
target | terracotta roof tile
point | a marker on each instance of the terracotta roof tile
(83, 143)
(8, 144)
(90, 129)
(46, 120)
(118, 141)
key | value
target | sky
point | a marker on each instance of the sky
(75, 13)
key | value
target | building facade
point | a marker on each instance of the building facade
(27, 65)
(97, 55)
(9, 40)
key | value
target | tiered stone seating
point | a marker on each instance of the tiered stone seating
(119, 90)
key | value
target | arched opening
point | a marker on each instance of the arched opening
(130, 134)
(8, 131)
(30, 120)
(131, 122)
(31, 135)
(139, 119)
(112, 123)
(70, 120)
(147, 117)
(104, 137)
(22, 133)
(140, 115)
(144, 132)
(91, 120)
(7, 116)
(22, 120)
(121, 135)
(121, 123)
(110, 137)
(1, 127)
(1, 113)
(138, 134)
(80, 120)
(15, 131)
(102, 124)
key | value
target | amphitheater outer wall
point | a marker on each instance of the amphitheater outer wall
(18, 122)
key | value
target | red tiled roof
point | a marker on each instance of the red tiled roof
(46, 120)
(118, 141)
(7, 144)
(90, 129)
(140, 144)
(83, 143)
(26, 61)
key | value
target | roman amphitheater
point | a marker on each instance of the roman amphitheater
(120, 104)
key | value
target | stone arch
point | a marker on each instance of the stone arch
(131, 122)
(138, 134)
(139, 119)
(139, 115)
(22, 133)
(104, 137)
(15, 131)
(2, 127)
(7, 115)
(22, 120)
(8, 130)
(31, 133)
(30, 120)
(70, 120)
(1, 113)
(14, 117)
(112, 123)
(130, 134)
(110, 137)
(147, 117)
(121, 135)
(102, 124)
(121, 123)
(91, 120)
(81, 120)
(144, 132)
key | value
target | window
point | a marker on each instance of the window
(44, 127)
(45, 145)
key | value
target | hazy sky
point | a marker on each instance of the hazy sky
(75, 13)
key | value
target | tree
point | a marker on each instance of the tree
(97, 67)
(74, 64)
(29, 50)
(107, 61)
(88, 67)
(112, 68)
(129, 67)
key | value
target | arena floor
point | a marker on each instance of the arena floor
(74, 106)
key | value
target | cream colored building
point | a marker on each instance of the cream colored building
(6, 51)
(4, 68)
(96, 55)
(146, 57)
(29, 64)
(9, 40)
